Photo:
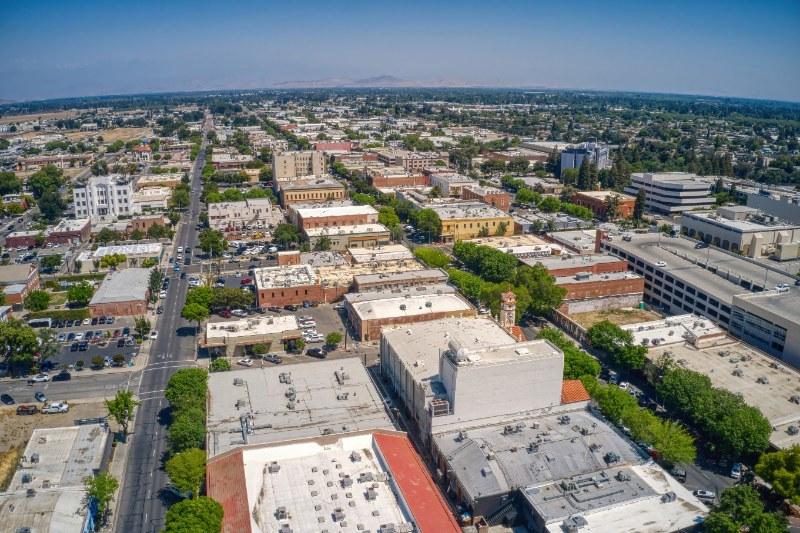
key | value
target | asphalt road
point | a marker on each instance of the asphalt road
(85, 384)
(142, 504)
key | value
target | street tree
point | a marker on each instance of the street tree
(741, 509)
(194, 312)
(781, 469)
(198, 515)
(49, 263)
(333, 338)
(200, 295)
(101, 488)
(212, 242)
(428, 223)
(18, 345)
(231, 297)
(187, 429)
(639, 205)
(187, 469)
(80, 293)
(141, 325)
(541, 286)
(121, 409)
(220, 364)
(187, 388)
(285, 234)
(154, 283)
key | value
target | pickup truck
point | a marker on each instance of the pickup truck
(56, 407)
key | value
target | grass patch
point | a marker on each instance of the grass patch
(8, 465)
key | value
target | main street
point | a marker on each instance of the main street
(141, 506)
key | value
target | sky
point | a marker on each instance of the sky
(744, 48)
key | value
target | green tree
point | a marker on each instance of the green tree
(97, 362)
(639, 205)
(285, 235)
(550, 204)
(577, 363)
(228, 297)
(546, 295)
(388, 217)
(220, 364)
(51, 204)
(187, 469)
(49, 263)
(187, 429)
(212, 242)
(9, 183)
(195, 313)
(101, 488)
(433, 257)
(187, 388)
(37, 300)
(200, 295)
(112, 261)
(782, 470)
(741, 509)
(107, 235)
(121, 409)
(198, 515)
(526, 196)
(618, 343)
(428, 222)
(154, 282)
(180, 198)
(80, 293)
(141, 325)
(48, 178)
(323, 244)
(333, 338)
(501, 229)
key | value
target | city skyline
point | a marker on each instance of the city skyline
(735, 50)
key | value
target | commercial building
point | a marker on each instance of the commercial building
(598, 202)
(571, 264)
(450, 183)
(59, 161)
(441, 370)
(144, 222)
(230, 161)
(467, 220)
(69, 231)
(389, 255)
(356, 236)
(285, 285)
(744, 230)
(298, 164)
(151, 199)
(18, 281)
(169, 179)
(488, 195)
(276, 404)
(310, 190)
(672, 192)
(47, 491)
(579, 241)
(360, 481)
(234, 218)
(122, 293)
(399, 280)
(104, 198)
(521, 246)
(573, 156)
(368, 312)
(233, 336)
(335, 215)
(393, 177)
(714, 283)
(784, 205)
(591, 292)
(135, 255)
(543, 185)
(411, 161)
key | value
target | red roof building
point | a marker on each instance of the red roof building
(573, 391)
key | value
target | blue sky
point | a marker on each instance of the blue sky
(75, 48)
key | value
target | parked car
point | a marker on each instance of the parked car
(241, 313)
(160, 310)
(246, 281)
(224, 313)
(678, 473)
(736, 471)
(153, 335)
(319, 353)
(6, 399)
(87, 321)
(162, 294)
(245, 362)
(83, 346)
(73, 347)
(272, 358)
(121, 342)
(61, 337)
(27, 410)
(39, 378)
(290, 307)
(40, 397)
(274, 309)
(705, 495)
(62, 376)
(56, 407)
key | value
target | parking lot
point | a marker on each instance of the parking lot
(103, 343)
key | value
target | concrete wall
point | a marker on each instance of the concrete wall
(600, 288)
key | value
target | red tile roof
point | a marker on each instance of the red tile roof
(517, 333)
(427, 506)
(226, 483)
(572, 390)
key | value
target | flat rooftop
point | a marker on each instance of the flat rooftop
(48, 511)
(335, 211)
(673, 329)
(130, 284)
(314, 182)
(148, 249)
(509, 241)
(568, 260)
(467, 210)
(587, 277)
(738, 225)
(407, 305)
(285, 276)
(602, 195)
(249, 327)
(60, 457)
(389, 252)
(355, 229)
(579, 239)
(720, 362)
(784, 303)
(293, 402)
(434, 274)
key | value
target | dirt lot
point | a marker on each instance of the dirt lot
(16, 430)
(112, 135)
(619, 317)
(51, 116)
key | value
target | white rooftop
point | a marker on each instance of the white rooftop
(355, 229)
(672, 330)
(409, 305)
(285, 276)
(248, 327)
(389, 252)
(335, 211)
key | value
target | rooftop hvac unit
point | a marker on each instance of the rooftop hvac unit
(34, 458)
(273, 467)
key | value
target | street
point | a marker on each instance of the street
(141, 504)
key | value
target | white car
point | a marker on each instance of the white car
(162, 294)
(705, 495)
(226, 255)
(239, 312)
(273, 249)
(245, 362)
(308, 325)
(315, 338)
(661, 263)
(87, 321)
(39, 378)
(153, 335)
(56, 407)
(78, 336)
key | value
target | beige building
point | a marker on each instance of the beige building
(356, 236)
(252, 214)
(463, 221)
(298, 164)
(231, 335)
(310, 190)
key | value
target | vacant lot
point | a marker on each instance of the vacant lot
(112, 135)
(619, 317)
(38, 116)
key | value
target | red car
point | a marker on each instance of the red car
(246, 281)
(225, 313)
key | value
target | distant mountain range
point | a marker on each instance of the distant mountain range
(384, 81)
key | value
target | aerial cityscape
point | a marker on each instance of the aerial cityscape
(500, 269)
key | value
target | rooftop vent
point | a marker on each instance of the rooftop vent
(274, 467)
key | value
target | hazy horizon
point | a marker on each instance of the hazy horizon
(727, 49)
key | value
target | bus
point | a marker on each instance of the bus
(41, 323)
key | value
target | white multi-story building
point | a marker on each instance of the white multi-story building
(672, 192)
(573, 156)
(104, 198)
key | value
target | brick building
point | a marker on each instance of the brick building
(17, 281)
(570, 264)
(309, 190)
(585, 286)
(328, 146)
(122, 293)
(324, 216)
(391, 177)
(399, 280)
(285, 285)
(70, 231)
(145, 222)
(596, 201)
(488, 195)
(21, 239)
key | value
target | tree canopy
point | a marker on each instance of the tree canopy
(187, 469)
(198, 515)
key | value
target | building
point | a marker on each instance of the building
(442, 371)
(598, 202)
(152, 199)
(784, 205)
(744, 230)
(672, 192)
(468, 220)
(298, 164)
(310, 190)
(142, 153)
(335, 215)
(590, 292)
(488, 195)
(144, 222)
(135, 255)
(276, 404)
(61, 161)
(169, 179)
(234, 218)
(285, 285)
(543, 185)
(356, 236)
(703, 347)
(339, 147)
(450, 184)
(566, 470)
(399, 280)
(359, 481)
(230, 161)
(232, 336)
(104, 198)
(579, 241)
(122, 293)
(390, 255)
(573, 156)
(18, 281)
(412, 161)
(680, 278)
(21, 239)
(369, 312)
(396, 176)
(520, 246)
(69, 231)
